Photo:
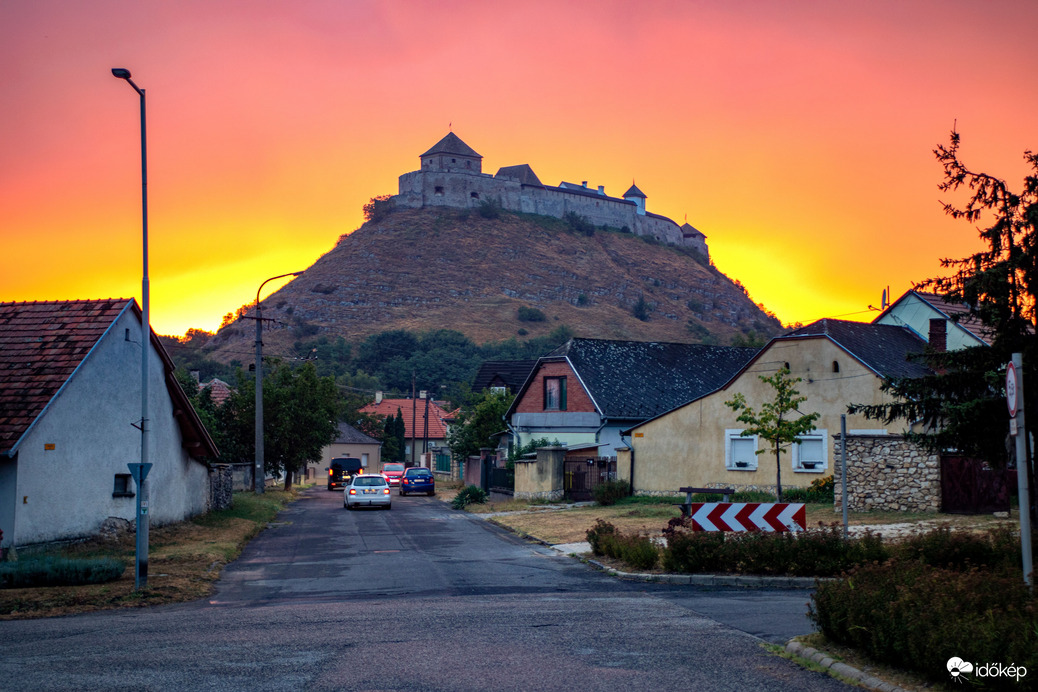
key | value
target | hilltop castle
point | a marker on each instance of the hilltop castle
(452, 176)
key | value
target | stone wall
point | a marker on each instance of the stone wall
(887, 472)
(541, 478)
(457, 189)
(221, 487)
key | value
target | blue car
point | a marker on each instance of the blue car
(418, 480)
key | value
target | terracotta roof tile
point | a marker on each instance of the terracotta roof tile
(41, 345)
(388, 407)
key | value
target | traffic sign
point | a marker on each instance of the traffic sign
(747, 516)
(1011, 389)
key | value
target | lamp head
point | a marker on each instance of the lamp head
(121, 72)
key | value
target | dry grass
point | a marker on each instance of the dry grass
(184, 560)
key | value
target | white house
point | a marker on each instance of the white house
(70, 398)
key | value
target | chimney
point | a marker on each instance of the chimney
(197, 375)
(378, 398)
(601, 189)
(938, 334)
(584, 183)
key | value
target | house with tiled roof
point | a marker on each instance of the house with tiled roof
(588, 390)
(70, 406)
(349, 442)
(931, 317)
(219, 391)
(699, 443)
(426, 424)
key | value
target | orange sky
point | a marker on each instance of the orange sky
(797, 135)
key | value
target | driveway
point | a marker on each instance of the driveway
(417, 598)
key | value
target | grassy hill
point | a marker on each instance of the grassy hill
(455, 269)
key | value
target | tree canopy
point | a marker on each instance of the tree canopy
(961, 405)
(476, 424)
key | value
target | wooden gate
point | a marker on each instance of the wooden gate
(580, 476)
(971, 486)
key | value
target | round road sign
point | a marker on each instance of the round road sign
(1011, 389)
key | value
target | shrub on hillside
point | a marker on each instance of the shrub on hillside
(579, 224)
(917, 616)
(527, 314)
(490, 209)
(59, 571)
(609, 492)
(469, 495)
(378, 208)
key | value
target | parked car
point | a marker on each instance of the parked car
(367, 490)
(418, 480)
(393, 472)
(341, 470)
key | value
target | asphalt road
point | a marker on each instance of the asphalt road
(417, 598)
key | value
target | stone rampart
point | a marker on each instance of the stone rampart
(887, 472)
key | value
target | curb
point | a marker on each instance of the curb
(744, 581)
(798, 650)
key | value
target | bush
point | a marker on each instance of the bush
(378, 208)
(597, 534)
(469, 495)
(59, 571)
(642, 309)
(639, 552)
(997, 550)
(490, 209)
(820, 551)
(609, 492)
(911, 614)
(579, 224)
(527, 314)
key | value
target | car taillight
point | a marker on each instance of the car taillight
(386, 491)
(352, 491)
(329, 472)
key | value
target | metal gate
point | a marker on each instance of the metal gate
(580, 476)
(971, 486)
(502, 480)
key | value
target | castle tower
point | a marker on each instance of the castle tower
(638, 197)
(452, 155)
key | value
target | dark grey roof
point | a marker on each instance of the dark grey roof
(586, 192)
(636, 380)
(349, 435)
(882, 347)
(523, 173)
(503, 373)
(452, 144)
(634, 192)
(688, 229)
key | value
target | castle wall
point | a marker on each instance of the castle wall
(460, 189)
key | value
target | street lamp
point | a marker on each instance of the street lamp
(140, 473)
(259, 477)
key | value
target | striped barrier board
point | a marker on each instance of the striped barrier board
(747, 516)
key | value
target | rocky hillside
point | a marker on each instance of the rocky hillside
(446, 268)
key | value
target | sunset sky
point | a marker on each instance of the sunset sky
(797, 136)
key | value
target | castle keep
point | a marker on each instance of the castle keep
(451, 175)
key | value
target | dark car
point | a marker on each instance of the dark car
(418, 480)
(341, 470)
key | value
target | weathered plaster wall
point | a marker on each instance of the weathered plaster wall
(66, 492)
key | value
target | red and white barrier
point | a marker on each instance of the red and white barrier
(748, 516)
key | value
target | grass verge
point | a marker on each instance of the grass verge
(184, 560)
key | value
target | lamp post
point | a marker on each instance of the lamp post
(259, 477)
(141, 472)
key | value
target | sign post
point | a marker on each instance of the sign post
(140, 572)
(1017, 428)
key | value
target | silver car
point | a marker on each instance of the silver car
(367, 490)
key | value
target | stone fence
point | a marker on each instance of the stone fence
(221, 487)
(887, 472)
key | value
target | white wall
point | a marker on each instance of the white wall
(66, 492)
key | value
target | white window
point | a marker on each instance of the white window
(740, 453)
(811, 453)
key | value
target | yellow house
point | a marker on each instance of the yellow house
(699, 444)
